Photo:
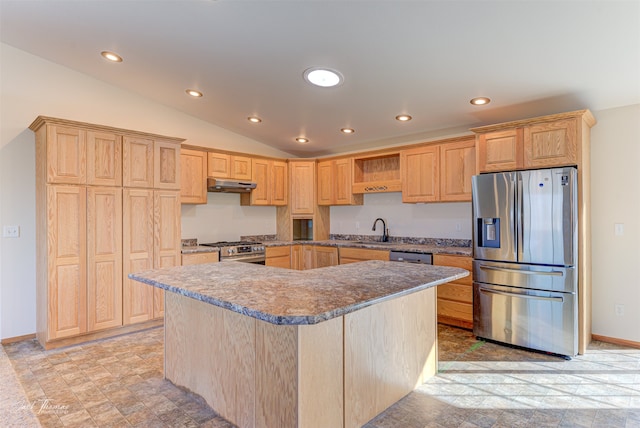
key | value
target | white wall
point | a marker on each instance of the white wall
(615, 180)
(31, 86)
(445, 220)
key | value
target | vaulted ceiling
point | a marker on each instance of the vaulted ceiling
(422, 58)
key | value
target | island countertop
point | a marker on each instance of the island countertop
(292, 297)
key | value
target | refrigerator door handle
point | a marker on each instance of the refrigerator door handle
(521, 296)
(524, 272)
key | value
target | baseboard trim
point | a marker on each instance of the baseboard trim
(15, 339)
(616, 341)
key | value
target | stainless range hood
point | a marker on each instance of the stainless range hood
(229, 186)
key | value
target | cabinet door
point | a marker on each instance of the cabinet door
(193, 177)
(303, 179)
(296, 257)
(166, 244)
(551, 144)
(308, 257)
(455, 299)
(166, 165)
(278, 257)
(420, 174)
(325, 256)
(241, 167)
(104, 159)
(458, 165)
(279, 183)
(500, 151)
(67, 261)
(137, 236)
(343, 194)
(104, 257)
(325, 183)
(66, 155)
(218, 165)
(260, 173)
(137, 162)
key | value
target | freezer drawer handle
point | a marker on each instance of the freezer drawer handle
(523, 296)
(525, 272)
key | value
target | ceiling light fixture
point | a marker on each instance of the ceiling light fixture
(347, 130)
(323, 77)
(302, 140)
(194, 93)
(403, 118)
(254, 119)
(113, 57)
(480, 101)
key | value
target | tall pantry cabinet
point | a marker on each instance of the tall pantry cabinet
(107, 204)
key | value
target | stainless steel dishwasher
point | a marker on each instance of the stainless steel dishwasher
(407, 257)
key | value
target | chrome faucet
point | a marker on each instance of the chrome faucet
(385, 231)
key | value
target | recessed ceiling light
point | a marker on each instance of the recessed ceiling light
(302, 140)
(323, 77)
(480, 101)
(347, 130)
(254, 119)
(194, 93)
(113, 57)
(403, 118)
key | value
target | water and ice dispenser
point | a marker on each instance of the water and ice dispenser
(488, 232)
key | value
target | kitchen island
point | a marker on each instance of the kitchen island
(325, 347)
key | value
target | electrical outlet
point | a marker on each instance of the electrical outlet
(357, 225)
(458, 227)
(11, 232)
(619, 229)
(619, 310)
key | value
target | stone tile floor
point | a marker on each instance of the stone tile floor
(118, 382)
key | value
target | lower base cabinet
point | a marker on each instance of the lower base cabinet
(278, 256)
(455, 299)
(353, 255)
(301, 257)
(200, 258)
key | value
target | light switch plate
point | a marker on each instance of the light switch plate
(11, 231)
(619, 228)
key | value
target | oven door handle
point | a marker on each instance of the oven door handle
(244, 259)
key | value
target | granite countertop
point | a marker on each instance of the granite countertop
(292, 297)
(390, 246)
(190, 249)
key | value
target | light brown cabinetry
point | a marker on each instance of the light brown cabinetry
(352, 255)
(542, 142)
(438, 172)
(193, 176)
(278, 256)
(271, 181)
(455, 299)
(376, 173)
(303, 189)
(104, 257)
(200, 258)
(420, 174)
(334, 183)
(223, 165)
(325, 256)
(82, 222)
(151, 240)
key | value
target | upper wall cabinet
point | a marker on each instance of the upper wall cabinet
(541, 142)
(193, 176)
(79, 156)
(271, 181)
(149, 163)
(334, 183)
(376, 173)
(438, 172)
(302, 174)
(222, 165)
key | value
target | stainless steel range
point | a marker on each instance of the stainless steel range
(240, 251)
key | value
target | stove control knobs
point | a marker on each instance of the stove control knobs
(257, 248)
(231, 250)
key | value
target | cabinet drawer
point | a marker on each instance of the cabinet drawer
(277, 251)
(351, 255)
(461, 262)
(457, 310)
(457, 292)
(199, 258)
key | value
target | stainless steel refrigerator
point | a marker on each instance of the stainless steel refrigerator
(525, 275)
